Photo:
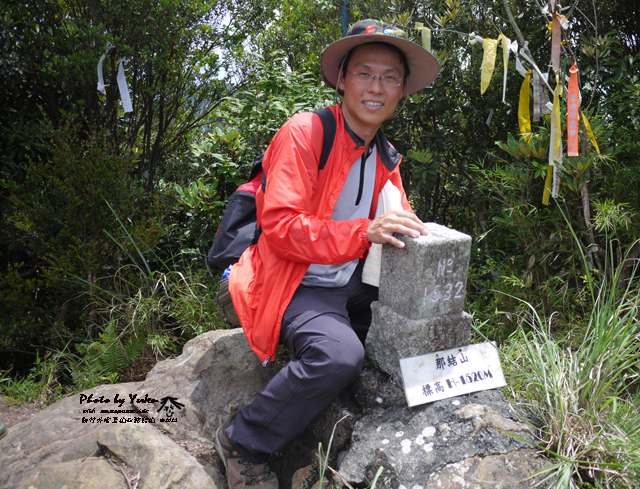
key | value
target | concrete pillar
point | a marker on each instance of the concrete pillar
(421, 299)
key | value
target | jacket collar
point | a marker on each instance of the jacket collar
(388, 154)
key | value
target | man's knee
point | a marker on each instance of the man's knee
(340, 358)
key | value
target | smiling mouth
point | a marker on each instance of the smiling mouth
(373, 104)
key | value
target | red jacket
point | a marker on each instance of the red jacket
(295, 216)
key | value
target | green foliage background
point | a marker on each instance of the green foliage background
(106, 216)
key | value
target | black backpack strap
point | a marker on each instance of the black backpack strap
(256, 168)
(329, 126)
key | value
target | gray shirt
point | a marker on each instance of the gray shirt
(353, 202)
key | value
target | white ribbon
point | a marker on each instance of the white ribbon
(520, 67)
(122, 85)
(555, 186)
(536, 96)
(473, 39)
(555, 146)
(488, 121)
(535, 68)
(511, 46)
(100, 77)
(546, 106)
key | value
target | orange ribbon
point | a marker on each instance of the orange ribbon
(573, 112)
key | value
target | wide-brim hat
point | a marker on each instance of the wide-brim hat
(423, 67)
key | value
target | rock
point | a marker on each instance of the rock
(407, 338)
(66, 440)
(162, 464)
(413, 444)
(300, 478)
(308, 478)
(507, 471)
(216, 370)
(485, 417)
(54, 439)
(435, 445)
(76, 474)
(61, 447)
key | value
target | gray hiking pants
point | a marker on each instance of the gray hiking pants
(324, 329)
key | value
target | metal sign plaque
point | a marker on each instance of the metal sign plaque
(450, 373)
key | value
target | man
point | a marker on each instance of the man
(301, 283)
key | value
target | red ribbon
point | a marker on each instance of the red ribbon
(556, 31)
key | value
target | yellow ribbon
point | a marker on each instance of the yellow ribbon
(426, 35)
(505, 49)
(587, 126)
(488, 63)
(524, 115)
(547, 186)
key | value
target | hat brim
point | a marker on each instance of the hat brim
(424, 68)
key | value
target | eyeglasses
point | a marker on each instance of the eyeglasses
(366, 78)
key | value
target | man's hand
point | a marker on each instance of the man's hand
(381, 229)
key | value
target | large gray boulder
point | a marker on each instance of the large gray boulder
(71, 443)
(216, 370)
(415, 444)
(57, 449)
(441, 443)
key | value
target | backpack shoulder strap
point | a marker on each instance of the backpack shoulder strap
(256, 167)
(329, 126)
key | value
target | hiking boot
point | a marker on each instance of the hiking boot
(241, 474)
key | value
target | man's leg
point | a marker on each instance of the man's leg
(327, 356)
(359, 303)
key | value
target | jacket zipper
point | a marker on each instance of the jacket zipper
(363, 161)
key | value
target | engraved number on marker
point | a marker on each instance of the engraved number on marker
(437, 295)
(447, 296)
(459, 294)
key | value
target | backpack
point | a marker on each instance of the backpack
(238, 229)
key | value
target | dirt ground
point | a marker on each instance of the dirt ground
(12, 414)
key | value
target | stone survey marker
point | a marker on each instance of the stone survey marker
(422, 292)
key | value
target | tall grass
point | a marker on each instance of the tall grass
(586, 394)
(146, 311)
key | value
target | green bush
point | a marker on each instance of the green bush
(22, 317)
(61, 219)
(241, 128)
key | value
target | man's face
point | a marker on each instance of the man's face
(367, 105)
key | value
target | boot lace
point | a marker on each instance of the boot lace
(254, 474)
